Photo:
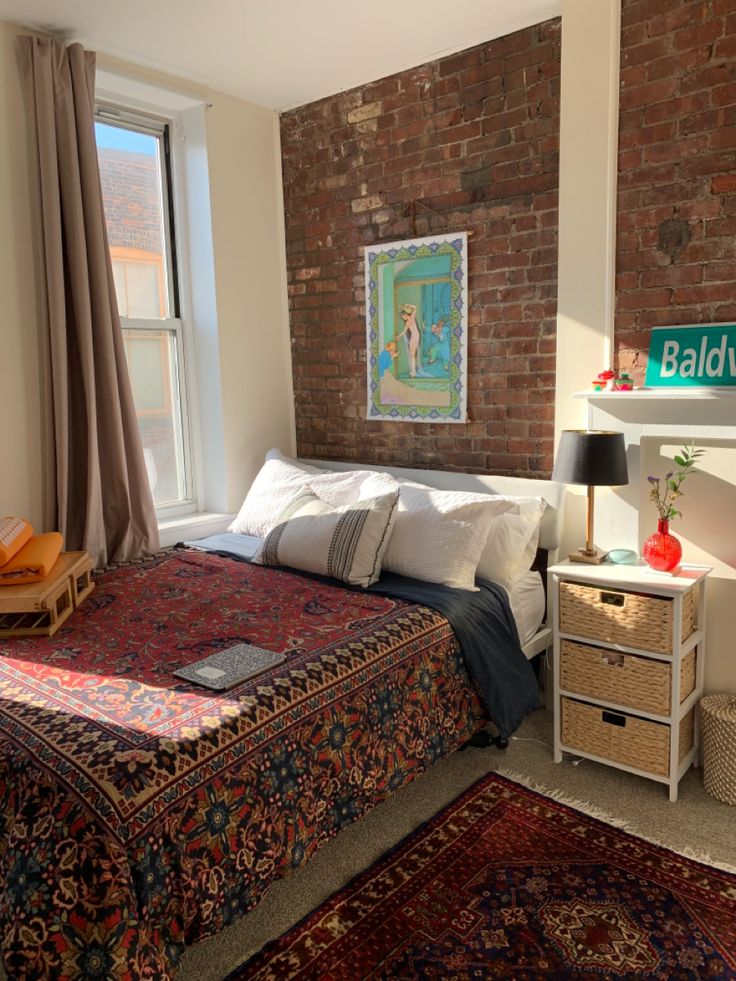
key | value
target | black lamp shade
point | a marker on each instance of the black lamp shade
(591, 457)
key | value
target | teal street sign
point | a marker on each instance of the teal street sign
(704, 357)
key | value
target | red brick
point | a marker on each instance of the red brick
(683, 15)
(648, 94)
(492, 107)
(691, 175)
(673, 65)
(708, 77)
(724, 184)
(676, 156)
(644, 54)
(691, 37)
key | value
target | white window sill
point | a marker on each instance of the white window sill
(191, 526)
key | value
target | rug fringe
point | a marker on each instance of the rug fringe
(595, 812)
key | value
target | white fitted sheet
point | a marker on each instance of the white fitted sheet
(528, 605)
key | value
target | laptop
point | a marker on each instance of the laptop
(230, 667)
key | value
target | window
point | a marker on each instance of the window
(137, 194)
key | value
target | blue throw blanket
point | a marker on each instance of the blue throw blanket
(482, 621)
(486, 629)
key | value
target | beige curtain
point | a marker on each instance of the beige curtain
(103, 498)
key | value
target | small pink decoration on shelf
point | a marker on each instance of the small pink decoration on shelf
(605, 382)
(608, 382)
(663, 551)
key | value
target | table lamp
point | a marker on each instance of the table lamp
(594, 458)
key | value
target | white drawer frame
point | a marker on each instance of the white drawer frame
(644, 580)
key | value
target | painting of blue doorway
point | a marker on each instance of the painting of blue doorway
(416, 329)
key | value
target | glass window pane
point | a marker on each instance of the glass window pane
(132, 193)
(118, 272)
(143, 290)
(152, 364)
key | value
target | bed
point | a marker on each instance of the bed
(140, 814)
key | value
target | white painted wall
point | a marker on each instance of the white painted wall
(587, 210)
(249, 315)
(587, 241)
(587, 217)
(708, 536)
(654, 429)
(243, 144)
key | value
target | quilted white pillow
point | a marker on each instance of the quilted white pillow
(280, 477)
(439, 536)
(276, 454)
(512, 541)
(513, 534)
(346, 543)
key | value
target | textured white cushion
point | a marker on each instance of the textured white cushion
(346, 543)
(439, 535)
(280, 477)
(512, 541)
(511, 544)
(276, 454)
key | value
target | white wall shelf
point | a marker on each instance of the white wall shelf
(661, 394)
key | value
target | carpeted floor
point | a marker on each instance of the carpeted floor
(697, 825)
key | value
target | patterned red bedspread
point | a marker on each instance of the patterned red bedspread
(140, 813)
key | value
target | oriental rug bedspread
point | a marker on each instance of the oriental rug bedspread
(140, 813)
(506, 883)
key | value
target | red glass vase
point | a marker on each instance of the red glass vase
(661, 550)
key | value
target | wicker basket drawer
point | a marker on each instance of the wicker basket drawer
(623, 738)
(619, 617)
(625, 679)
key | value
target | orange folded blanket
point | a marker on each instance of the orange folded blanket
(14, 533)
(34, 561)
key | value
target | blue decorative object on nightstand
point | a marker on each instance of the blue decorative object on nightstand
(623, 556)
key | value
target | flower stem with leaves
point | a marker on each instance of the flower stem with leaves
(664, 497)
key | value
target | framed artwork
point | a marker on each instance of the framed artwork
(417, 329)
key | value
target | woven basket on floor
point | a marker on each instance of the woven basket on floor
(718, 720)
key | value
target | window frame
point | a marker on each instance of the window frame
(159, 126)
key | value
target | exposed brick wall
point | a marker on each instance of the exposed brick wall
(475, 137)
(131, 190)
(677, 169)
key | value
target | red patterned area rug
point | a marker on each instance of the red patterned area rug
(506, 883)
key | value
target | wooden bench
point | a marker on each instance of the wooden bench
(38, 609)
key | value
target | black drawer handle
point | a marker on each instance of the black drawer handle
(614, 720)
(613, 599)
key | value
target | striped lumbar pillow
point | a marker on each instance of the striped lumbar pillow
(345, 543)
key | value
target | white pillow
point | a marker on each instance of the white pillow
(439, 535)
(346, 543)
(512, 541)
(513, 535)
(276, 454)
(280, 477)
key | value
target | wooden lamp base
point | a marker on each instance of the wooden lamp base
(593, 556)
(590, 553)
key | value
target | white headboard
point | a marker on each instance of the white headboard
(552, 492)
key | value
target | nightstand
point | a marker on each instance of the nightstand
(629, 652)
